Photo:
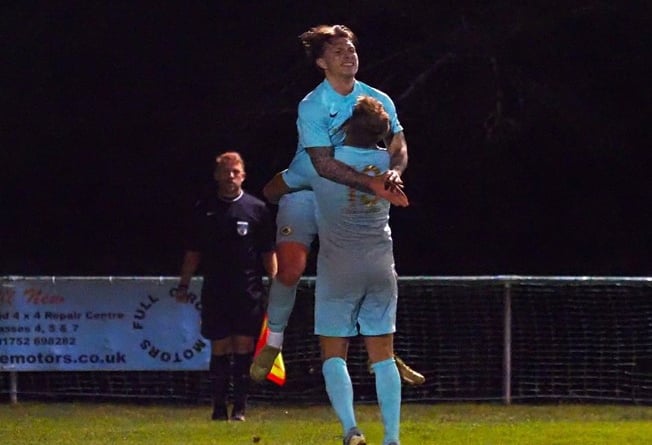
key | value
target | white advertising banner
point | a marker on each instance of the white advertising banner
(99, 324)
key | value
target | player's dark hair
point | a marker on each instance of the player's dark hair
(315, 39)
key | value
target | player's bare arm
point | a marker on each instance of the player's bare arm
(191, 260)
(330, 168)
(398, 157)
(270, 263)
(275, 188)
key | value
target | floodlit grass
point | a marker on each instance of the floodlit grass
(450, 424)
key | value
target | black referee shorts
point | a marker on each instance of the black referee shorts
(226, 314)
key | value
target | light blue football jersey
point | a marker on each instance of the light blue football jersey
(356, 289)
(321, 115)
(351, 220)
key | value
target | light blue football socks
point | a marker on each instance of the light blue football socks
(388, 392)
(281, 303)
(340, 390)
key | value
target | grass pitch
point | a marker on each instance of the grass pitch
(450, 424)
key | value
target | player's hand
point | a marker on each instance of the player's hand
(391, 191)
(393, 179)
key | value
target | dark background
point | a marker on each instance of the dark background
(528, 127)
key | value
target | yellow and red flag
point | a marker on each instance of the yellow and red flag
(277, 373)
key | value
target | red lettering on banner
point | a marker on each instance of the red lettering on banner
(7, 296)
(36, 296)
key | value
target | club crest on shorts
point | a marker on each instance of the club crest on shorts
(243, 228)
(286, 230)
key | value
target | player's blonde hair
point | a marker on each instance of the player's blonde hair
(368, 124)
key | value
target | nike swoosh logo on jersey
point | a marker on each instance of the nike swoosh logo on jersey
(333, 114)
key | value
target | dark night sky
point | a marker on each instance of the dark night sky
(528, 127)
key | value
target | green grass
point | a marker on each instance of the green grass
(450, 424)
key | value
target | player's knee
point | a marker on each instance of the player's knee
(289, 276)
(292, 257)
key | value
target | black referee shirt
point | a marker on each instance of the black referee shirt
(231, 236)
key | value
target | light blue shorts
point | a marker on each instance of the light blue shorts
(355, 293)
(296, 218)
